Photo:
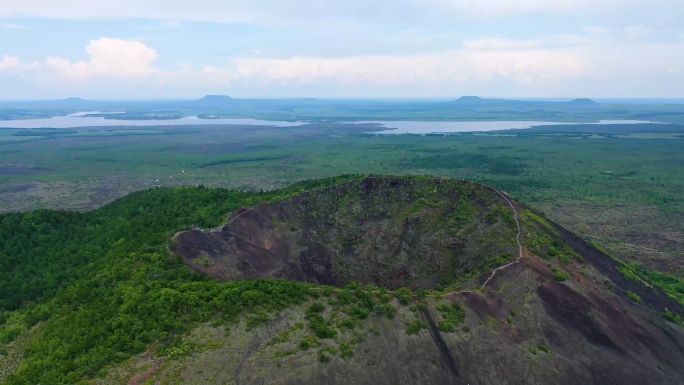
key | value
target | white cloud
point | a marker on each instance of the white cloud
(445, 68)
(483, 60)
(523, 67)
(112, 58)
(9, 62)
(12, 63)
(18, 27)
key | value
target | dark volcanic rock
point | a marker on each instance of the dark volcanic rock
(382, 231)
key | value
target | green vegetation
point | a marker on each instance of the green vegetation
(672, 317)
(317, 322)
(404, 295)
(323, 357)
(109, 288)
(9, 334)
(101, 286)
(673, 285)
(416, 326)
(309, 342)
(105, 287)
(560, 275)
(533, 168)
(346, 351)
(580, 183)
(541, 348)
(634, 297)
(452, 317)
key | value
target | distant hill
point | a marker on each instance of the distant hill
(469, 99)
(583, 101)
(73, 100)
(215, 100)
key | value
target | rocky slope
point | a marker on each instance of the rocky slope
(383, 232)
(565, 313)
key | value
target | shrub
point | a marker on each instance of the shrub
(453, 316)
(316, 307)
(327, 291)
(308, 342)
(358, 312)
(560, 275)
(404, 295)
(346, 351)
(446, 327)
(415, 327)
(10, 334)
(391, 311)
(349, 323)
(344, 297)
(319, 327)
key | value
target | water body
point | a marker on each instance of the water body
(405, 127)
(78, 120)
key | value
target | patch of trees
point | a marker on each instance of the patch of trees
(107, 286)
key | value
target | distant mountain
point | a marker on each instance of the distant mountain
(469, 99)
(583, 101)
(215, 100)
(67, 101)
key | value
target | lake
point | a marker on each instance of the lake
(393, 127)
(77, 120)
(407, 127)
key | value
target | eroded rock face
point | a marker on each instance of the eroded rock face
(382, 231)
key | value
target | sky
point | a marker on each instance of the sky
(171, 49)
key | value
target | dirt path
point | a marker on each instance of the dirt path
(517, 240)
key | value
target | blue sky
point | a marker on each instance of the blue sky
(133, 49)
